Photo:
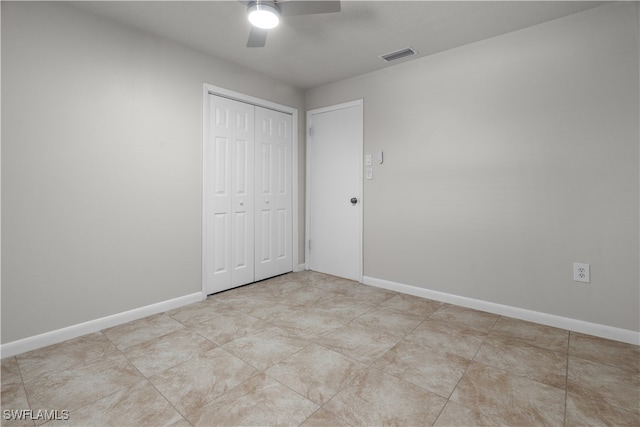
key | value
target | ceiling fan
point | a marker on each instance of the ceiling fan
(265, 14)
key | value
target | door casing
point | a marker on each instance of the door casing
(237, 96)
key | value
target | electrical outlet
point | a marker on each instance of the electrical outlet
(581, 272)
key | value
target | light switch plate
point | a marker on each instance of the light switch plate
(367, 160)
(369, 173)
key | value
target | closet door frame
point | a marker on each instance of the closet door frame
(237, 96)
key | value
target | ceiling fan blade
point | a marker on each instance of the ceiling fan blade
(257, 37)
(293, 8)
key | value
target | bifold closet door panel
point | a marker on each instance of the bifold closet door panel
(273, 227)
(229, 195)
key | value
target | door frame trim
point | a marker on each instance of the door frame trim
(349, 104)
(208, 89)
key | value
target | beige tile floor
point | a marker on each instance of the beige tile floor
(315, 350)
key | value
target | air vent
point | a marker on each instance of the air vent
(392, 56)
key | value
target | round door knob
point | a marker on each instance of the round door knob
(354, 200)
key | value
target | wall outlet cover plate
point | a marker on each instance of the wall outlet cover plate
(581, 272)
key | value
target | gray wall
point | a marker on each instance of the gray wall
(506, 161)
(101, 165)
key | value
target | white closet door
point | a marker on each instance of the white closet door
(273, 232)
(229, 195)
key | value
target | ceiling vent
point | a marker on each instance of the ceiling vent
(392, 56)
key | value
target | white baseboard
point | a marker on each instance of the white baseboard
(301, 267)
(48, 338)
(603, 331)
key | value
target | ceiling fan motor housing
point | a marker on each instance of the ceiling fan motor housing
(265, 15)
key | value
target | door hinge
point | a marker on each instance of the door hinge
(309, 244)
(310, 130)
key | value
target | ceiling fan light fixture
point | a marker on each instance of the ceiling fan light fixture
(264, 15)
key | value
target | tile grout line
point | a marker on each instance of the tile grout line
(313, 341)
(184, 417)
(87, 362)
(151, 383)
(336, 394)
(469, 365)
(465, 372)
(24, 387)
(366, 366)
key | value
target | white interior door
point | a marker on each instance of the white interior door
(334, 178)
(229, 194)
(273, 239)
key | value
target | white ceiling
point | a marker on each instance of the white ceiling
(311, 50)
